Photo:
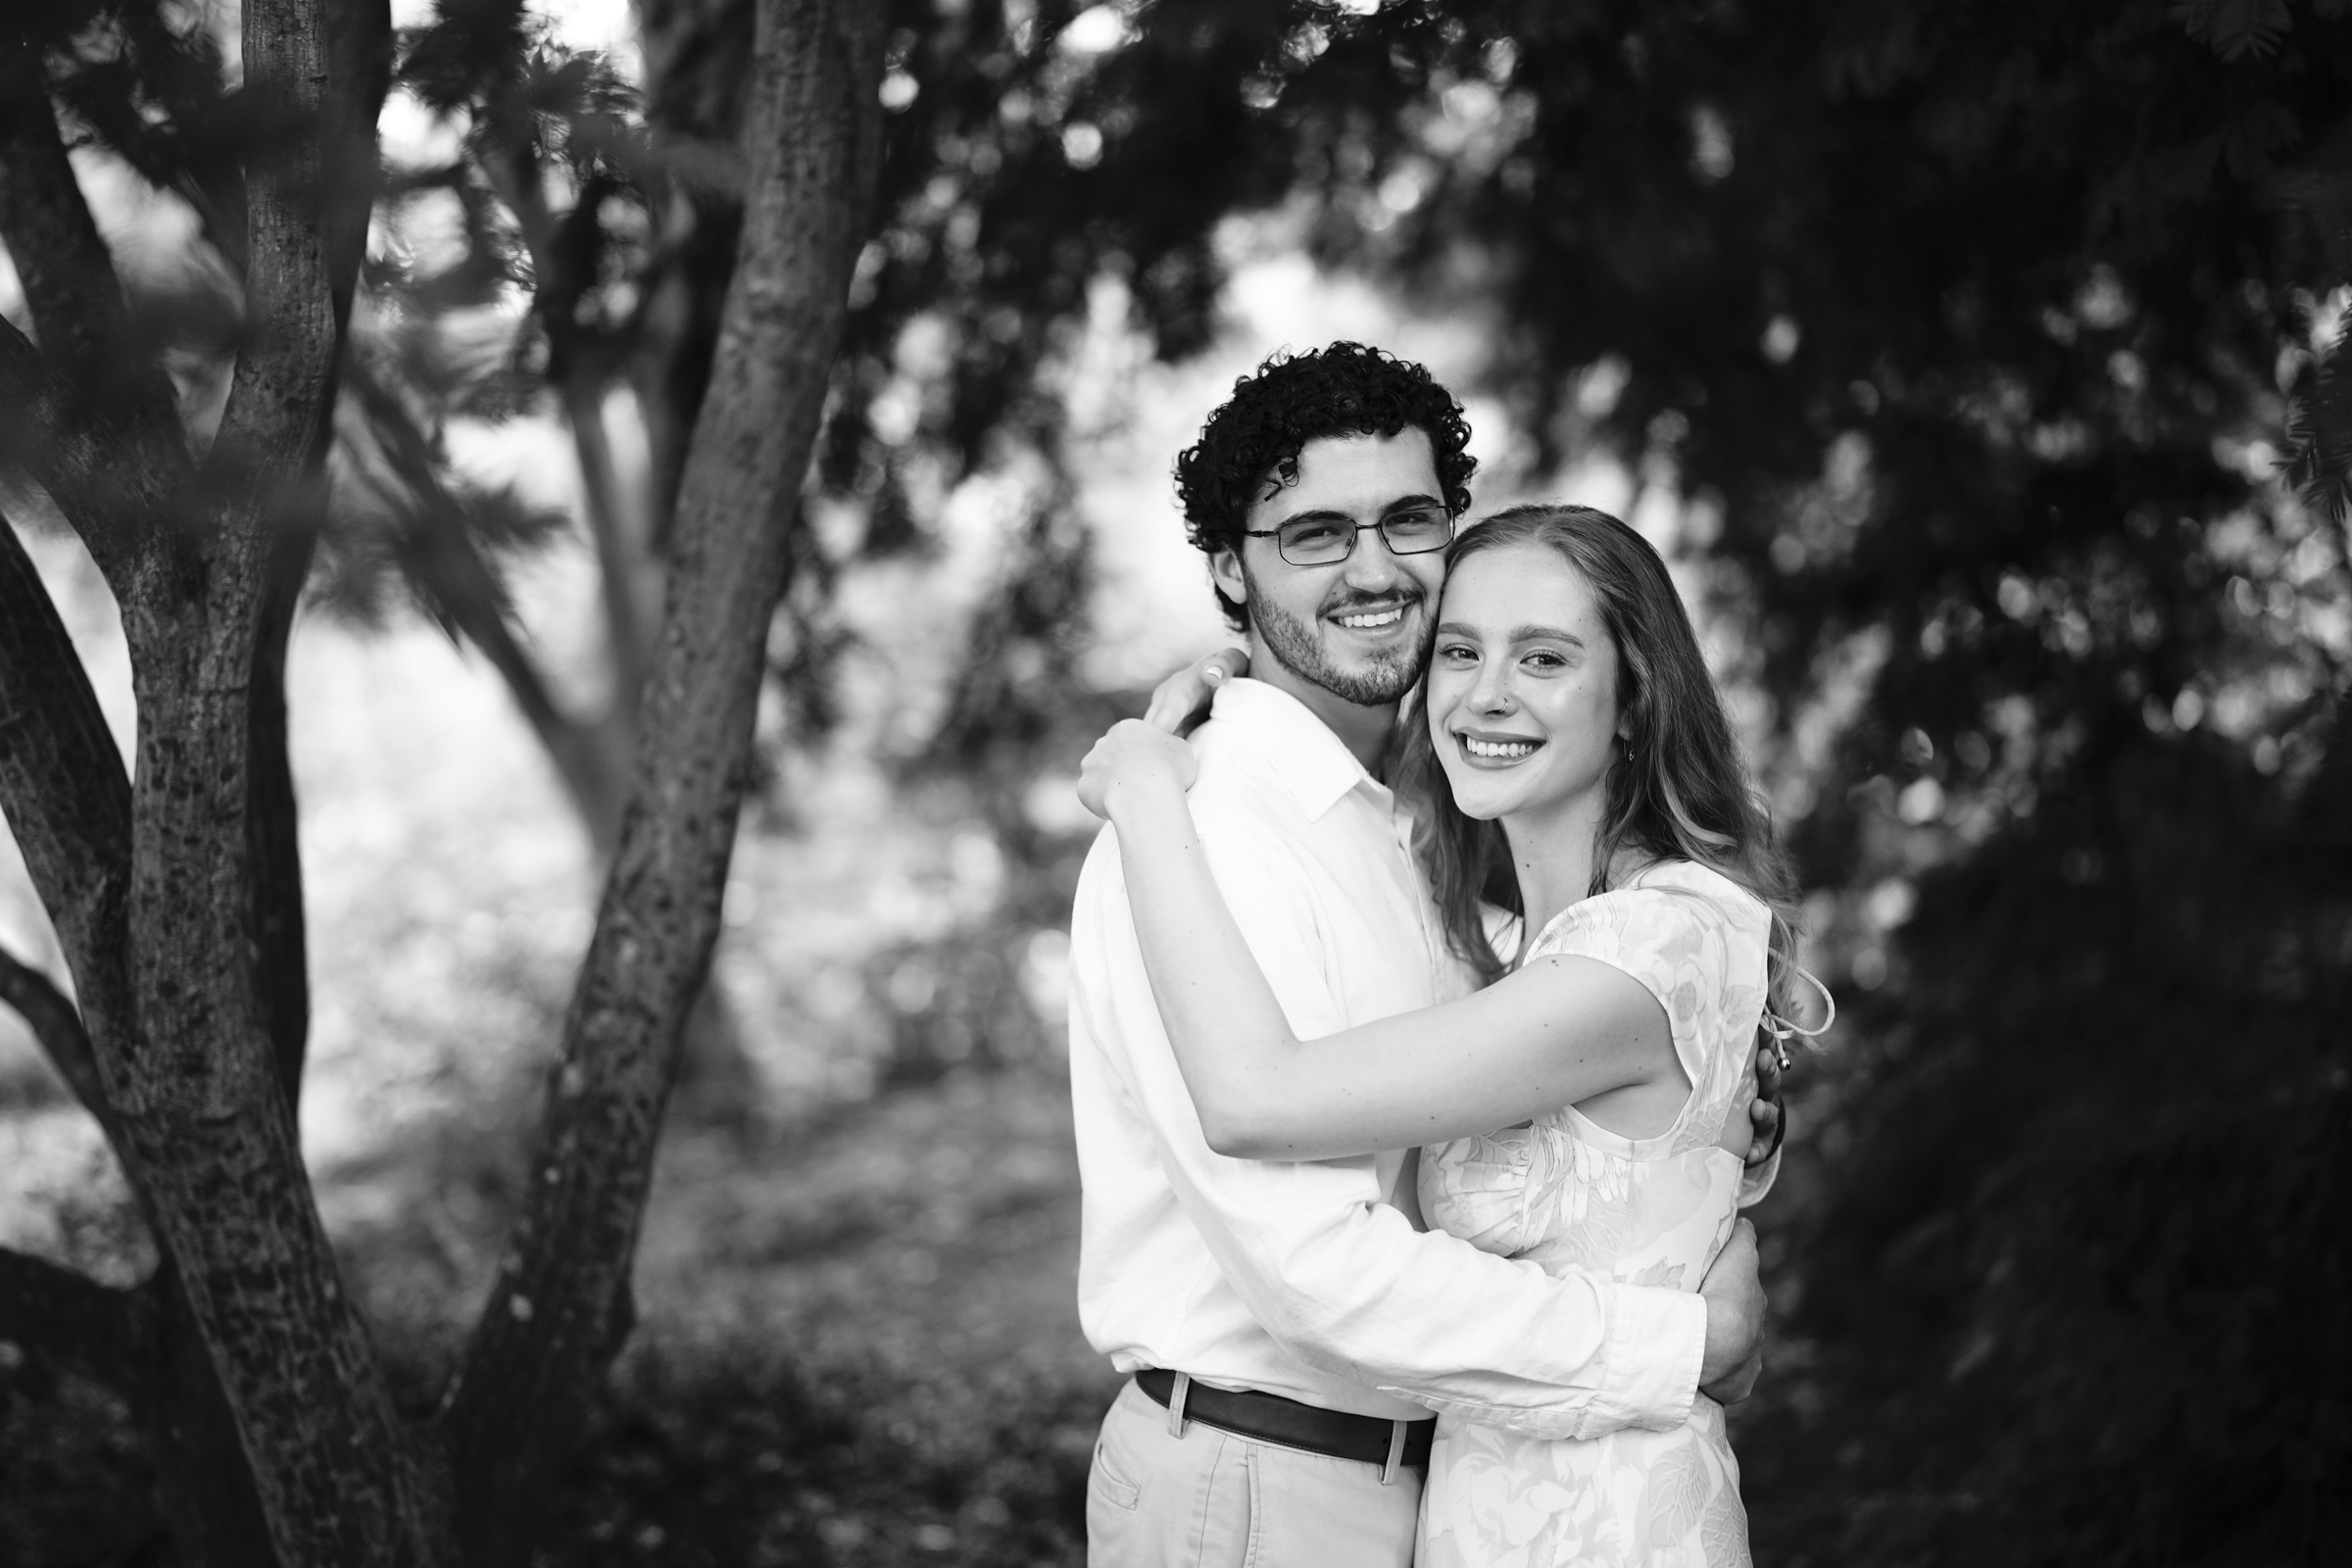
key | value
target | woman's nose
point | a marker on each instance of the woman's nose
(1492, 692)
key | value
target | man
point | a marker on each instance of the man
(1287, 1326)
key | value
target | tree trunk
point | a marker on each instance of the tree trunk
(695, 84)
(179, 899)
(176, 894)
(197, 1084)
(560, 1306)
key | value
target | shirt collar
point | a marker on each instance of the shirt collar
(1314, 763)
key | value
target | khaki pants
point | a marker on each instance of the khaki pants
(1211, 1500)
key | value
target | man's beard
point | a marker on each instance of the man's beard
(1297, 648)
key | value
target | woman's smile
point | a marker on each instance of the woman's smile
(1481, 750)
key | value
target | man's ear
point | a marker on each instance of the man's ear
(1225, 570)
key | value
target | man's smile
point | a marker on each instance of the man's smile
(1373, 617)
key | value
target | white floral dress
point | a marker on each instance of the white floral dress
(1568, 1194)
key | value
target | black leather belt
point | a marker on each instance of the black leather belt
(1271, 1418)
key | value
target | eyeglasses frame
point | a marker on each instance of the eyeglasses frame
(1358, 530)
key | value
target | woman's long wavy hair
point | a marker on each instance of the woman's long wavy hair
(1676, 789)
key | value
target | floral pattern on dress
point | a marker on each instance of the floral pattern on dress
(1569, 1194)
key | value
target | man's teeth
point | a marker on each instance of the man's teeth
(1371, 619)
(1500, 749)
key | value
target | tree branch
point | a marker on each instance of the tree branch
(358, 52)
(207, 1131)
(559, 1309)
(108, 473)
(272, 844)
(357, 43)
(55, 1025)
(63, 788)
(99, 1330)
(69, 276)
(97, 384)
(441, 559)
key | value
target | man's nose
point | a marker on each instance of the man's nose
(1371, 567)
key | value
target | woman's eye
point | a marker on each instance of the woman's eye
(1456, 654)
(1546, 661)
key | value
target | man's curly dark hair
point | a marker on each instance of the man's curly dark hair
(1253, 441)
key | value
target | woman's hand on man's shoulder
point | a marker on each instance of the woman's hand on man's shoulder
(1181, 702)
(1134, 757)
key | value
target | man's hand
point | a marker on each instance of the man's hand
(1764, 1112)
(1735, 1296)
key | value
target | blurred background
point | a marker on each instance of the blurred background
(1974, 366)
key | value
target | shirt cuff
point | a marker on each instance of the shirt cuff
(1657, 1341)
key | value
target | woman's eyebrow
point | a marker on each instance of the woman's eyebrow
(1519, 634)
(1528, 635)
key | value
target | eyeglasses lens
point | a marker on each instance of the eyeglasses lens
(1314, 542)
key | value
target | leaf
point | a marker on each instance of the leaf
(2234, 29)
(2318, 431)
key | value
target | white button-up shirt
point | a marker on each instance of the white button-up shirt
(1301, 1278)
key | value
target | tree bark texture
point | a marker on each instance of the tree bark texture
(69, 803)
(209, 1129)
(67, 798)
(560, 1308)
(695, 88)
(169, 894)
(97, 424)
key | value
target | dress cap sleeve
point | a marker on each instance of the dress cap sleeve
(1694, 940)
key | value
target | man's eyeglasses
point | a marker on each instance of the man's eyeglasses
(1328, 541)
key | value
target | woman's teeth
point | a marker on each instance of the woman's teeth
(1508, 750)
(1372, 619)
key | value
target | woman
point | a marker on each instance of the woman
(1573, 765)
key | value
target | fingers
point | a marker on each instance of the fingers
(1764, 1135)
(1768, 1073)
(1184, 696)
(1166, 710)
(1738, 1384)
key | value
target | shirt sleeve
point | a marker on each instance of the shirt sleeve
(1343, 1280)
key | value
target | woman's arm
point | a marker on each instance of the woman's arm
(1561, 1030)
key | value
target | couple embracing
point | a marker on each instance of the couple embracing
(1415, 1016)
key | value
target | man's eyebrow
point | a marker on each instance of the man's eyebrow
(1334, 515)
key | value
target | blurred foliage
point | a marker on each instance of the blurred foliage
(1968, 335)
